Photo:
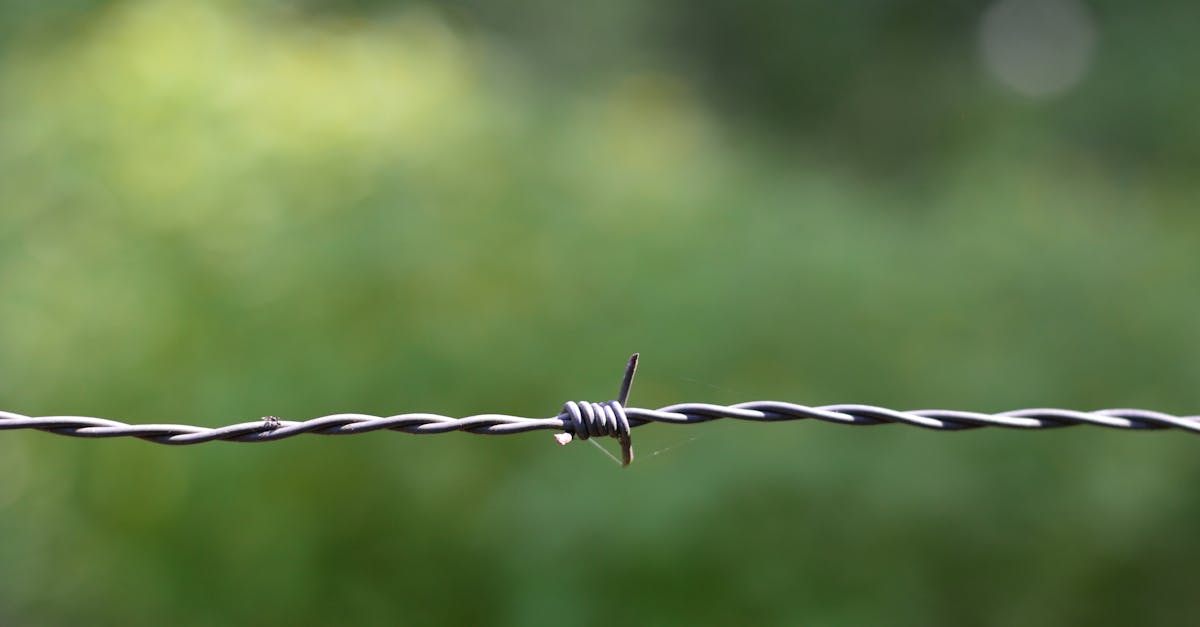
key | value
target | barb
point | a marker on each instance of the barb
(582, 420)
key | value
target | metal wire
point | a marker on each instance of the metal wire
(582, 420)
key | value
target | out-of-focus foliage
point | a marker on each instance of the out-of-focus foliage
(213, 212)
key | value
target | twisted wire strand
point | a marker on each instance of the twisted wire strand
(582, 420)
(597, 419)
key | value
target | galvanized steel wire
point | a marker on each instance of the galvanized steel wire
(582, 420)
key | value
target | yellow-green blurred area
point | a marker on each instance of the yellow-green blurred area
(216, 211)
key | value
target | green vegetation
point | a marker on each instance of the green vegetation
(212, 212)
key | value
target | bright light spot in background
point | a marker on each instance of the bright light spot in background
(1039, 48)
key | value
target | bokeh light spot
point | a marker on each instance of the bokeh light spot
(1038, 48)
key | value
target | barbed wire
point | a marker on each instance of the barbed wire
(583, 420)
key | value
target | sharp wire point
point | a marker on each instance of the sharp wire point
(627, 381)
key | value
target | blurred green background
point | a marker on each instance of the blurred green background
(216, 211)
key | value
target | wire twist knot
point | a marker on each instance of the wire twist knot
(584, 419)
